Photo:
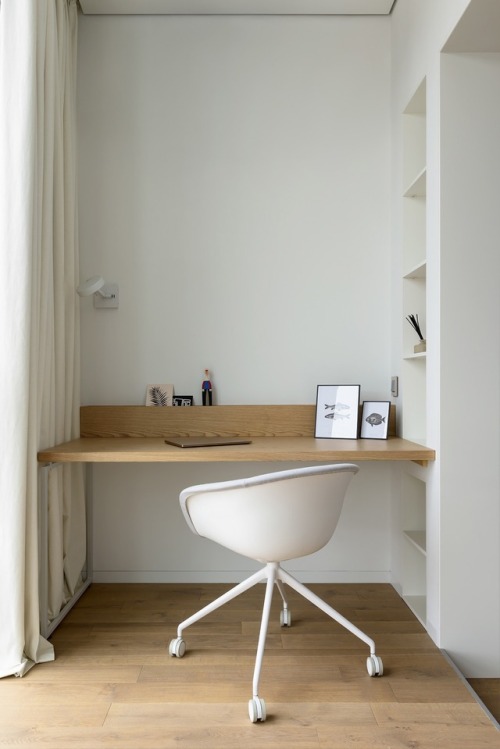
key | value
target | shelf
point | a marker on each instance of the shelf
(412, 513)
(412, 357)
(418, 271)
(418, 539)
(418, 187)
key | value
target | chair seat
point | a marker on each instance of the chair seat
(272, 517)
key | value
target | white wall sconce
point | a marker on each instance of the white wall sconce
(105, 294)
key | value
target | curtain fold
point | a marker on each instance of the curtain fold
(39, 316)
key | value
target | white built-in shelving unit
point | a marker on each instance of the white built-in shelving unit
(413, 368)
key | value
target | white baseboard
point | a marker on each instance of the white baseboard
(225, 576)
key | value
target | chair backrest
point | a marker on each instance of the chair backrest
(271, 517)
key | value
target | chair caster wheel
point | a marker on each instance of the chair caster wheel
(177, 647)
(285, 618)
(257, 709)
(374, 665)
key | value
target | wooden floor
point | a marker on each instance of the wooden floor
(488, 690)
(114, 685)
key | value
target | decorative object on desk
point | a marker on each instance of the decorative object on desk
(375, 420)
(206, 389)
(422, 346)
(159, 395)
(183, 400)
(337, 408)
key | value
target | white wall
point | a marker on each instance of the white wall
(470, 361)
(235, 183)
(140, 534)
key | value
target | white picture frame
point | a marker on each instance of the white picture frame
(337, 411)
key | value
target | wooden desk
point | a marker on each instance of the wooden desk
(136, 434)
(261, 449)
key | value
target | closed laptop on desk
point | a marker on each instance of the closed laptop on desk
(206, 441)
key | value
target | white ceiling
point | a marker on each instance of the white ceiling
(237, 7)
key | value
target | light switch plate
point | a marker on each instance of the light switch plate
(394, 387)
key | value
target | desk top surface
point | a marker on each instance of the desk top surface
(261, 449)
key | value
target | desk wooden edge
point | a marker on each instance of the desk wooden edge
(261, 449)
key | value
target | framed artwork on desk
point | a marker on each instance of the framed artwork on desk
(337, 410)
(183, 400)
(159, 395)
(375, 420)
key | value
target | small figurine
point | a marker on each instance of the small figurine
(206, 389)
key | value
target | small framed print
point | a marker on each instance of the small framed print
(159, 395)
(375, 420)
(183, 400)
(337, 411)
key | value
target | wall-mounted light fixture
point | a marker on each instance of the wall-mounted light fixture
(105, 294)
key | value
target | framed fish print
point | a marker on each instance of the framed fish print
(337, 410)
(375, 420)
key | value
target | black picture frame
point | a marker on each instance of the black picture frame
(337, 411)
(375, 420)
(183, 400)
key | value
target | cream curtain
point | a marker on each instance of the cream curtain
(39, 316)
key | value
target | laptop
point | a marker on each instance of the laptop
(206, 441)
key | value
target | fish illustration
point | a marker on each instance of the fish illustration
(337, 407)
(375, 419)
(337, 416)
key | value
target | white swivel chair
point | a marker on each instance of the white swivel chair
(271, 518)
